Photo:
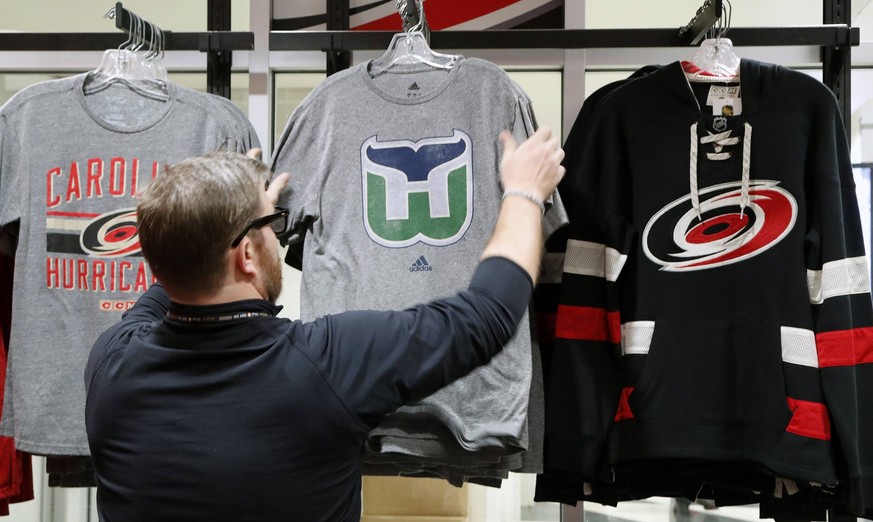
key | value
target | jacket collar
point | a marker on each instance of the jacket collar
(220, 313)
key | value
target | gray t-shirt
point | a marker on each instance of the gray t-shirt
(70, 165)
(394, 191)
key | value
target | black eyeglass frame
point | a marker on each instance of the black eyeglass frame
(281, 213)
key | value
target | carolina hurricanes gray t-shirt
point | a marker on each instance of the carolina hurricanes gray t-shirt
(394, 191)
(70, 165)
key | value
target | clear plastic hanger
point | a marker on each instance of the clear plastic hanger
(411, 48)
(153, 59)
(715, 59)
(127, 66)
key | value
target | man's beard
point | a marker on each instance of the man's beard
(272, 269)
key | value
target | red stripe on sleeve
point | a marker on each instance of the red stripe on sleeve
(845, 347)
(809, 419)
(624, 410)
(614, 321)
(587, 323)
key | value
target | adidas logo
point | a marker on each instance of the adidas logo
(420, 265)
(414, 87)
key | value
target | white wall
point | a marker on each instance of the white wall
(87, 15)
(676, 13)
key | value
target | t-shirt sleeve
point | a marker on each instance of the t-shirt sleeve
(302, 151)
(377, 361)
(246, 138)
(524, 125)
(241, 135)
(11, 183)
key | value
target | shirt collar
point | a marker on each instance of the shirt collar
(221, 313)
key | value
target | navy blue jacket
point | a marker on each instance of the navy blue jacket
(261, 418)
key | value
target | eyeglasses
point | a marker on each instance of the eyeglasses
(277, 221)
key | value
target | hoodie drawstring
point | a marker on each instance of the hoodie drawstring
(747, 161)
(695, 197)
(720, 141)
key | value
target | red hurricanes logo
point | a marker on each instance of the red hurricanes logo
(113, 234)
(680, 240)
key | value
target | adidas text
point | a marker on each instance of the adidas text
(421, 265)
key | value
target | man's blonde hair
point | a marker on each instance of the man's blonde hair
(189, 215)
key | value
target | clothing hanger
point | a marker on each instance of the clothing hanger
(127, 66)
(153, 59)
(715, 59)
(411, 48)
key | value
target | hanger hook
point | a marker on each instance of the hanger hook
(153, 36)
(419, 25)
(726, 11)
(134, 32)
(111, 14)
(411, 14)
(163, 44)
(140, 30)
(159, 50)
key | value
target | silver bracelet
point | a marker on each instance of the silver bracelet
(528, 196)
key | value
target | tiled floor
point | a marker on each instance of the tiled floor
(651, 510)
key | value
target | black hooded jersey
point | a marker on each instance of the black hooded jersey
(715, 299)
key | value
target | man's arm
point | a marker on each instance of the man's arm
(529, 173)
(376, 361)
(151, 306)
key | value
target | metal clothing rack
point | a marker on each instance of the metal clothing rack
(217, 42)
(835, 36)
(346, 40)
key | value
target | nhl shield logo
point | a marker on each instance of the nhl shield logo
(418, 191)
(719, 124)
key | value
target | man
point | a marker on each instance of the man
(202, 405)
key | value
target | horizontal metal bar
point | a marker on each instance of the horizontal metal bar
(216, 40)
(828, 35)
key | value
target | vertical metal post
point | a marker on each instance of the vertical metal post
(218, 62)
(260, 75)
(837, 61)
(573, 95)
(573, 513)
(837, 74)
(338, 20)
(573, 77)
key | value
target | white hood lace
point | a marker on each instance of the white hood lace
(720, 141)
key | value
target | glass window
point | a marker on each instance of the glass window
(289, 89)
